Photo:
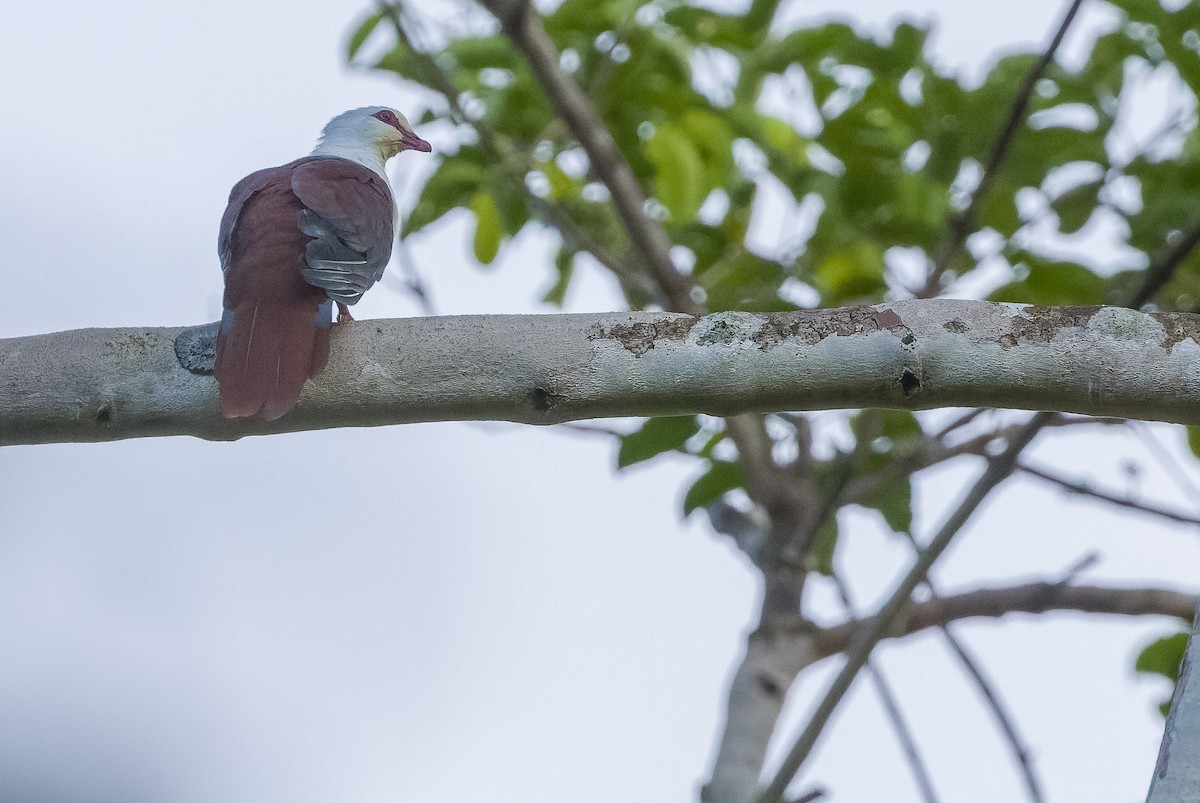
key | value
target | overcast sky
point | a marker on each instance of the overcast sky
(445, 612)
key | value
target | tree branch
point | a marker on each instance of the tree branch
(774, 659)
(107, 384)
(505, 153)
(1163, 267)
(1003, 719)
(1033, 598)
(1083, 489)
(523, 26)
(891, 708)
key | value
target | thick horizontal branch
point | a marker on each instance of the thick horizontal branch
(1030, 598)
(106, 384)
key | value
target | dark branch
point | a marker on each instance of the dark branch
(1030, 598)
(999, 712)
(524, 28)
(1083, 489)
(1161, 269)
(891, 709)
(498, 148)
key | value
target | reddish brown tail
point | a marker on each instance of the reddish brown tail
(267, 348)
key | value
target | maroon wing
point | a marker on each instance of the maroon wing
(275, 328)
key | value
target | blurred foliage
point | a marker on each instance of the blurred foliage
(1164, 657)
(822, 164)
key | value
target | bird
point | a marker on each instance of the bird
(294, 241)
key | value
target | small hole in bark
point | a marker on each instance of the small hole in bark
(769, 686)
(910, 383)
(104, 415)
(541, 400)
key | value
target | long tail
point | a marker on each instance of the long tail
(267, 348)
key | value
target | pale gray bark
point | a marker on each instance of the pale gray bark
(106, 384)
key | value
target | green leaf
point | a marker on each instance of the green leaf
(894, 502)
(853, 272)
(824, 546)
(481, 52)
(1193, 438)
(1163, 657)
(884, 436)
(1053, 284)
(1075, 206)
(678, 172)
(454, 183)
(656, 436)
(720, 478)
(365, 28)
(564, 264)
(487, 227)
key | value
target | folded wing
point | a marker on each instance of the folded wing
(293, 239)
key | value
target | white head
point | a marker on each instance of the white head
(370, 135)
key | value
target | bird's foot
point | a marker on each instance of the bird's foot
(344, 315)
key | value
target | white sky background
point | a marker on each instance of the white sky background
(440, 612)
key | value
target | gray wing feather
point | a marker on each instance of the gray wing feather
(349, 216)
(333, 264)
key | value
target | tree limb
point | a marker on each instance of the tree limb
(523, 26)
(773, 660)
(1083, 489)
(1033, 598)
(108, 384)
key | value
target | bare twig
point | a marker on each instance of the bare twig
(1000, 713)
(1034, 598)
(891, 708)
(810, 796)
(1083, 489)
(1177, 472)
(963, 224)
(991, 697)
(859, 649)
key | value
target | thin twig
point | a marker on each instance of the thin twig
(995, 602)
(998, 469)
(1177, 472)
(591, 429)
(891, 709)
(1161, 269)
(810, 796)
(1083, 489)
(991, 697)
(1000, 714)
(963, 223)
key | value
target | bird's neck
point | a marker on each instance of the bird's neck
(367, 155)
